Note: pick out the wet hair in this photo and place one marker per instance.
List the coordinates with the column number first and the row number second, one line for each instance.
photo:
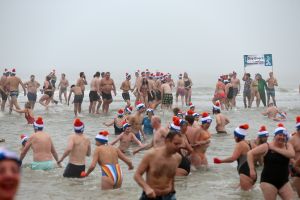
column 28, row 105
column 97, row 74
column 190, row 119
column 248, row 74
column 216, row 111
column 170, row 136
column 72, row 86
column 63, row 74
column 102, row 73
column 48, row 78
column 176, row 111
column 81, row 74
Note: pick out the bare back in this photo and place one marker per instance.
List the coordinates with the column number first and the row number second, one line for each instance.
column 41, row 145
column 80, row 149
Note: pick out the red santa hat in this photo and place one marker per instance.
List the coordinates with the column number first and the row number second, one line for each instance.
column 175, row 126
column 24, row 139
column 263, row 132
column 125, row 125
column 298, row 123
column 191, row 105
column 139, row 105
column 241, row 131
column 217, row 106
column 78, row 126
column 102, row 137
column 206, row 118
column 38, row 124
column 280, row 130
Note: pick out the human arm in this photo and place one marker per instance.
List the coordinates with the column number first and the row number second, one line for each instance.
column 136, row 140
column 19, row 111
column 138, row 176
column 67, row 151
column 88, row 153
column 54, row 153
column 235, row 155
column 117, row 139
column 227, row 121
column 26, row 148
column 109, row 124
column 125, row 159
column 297, row 166
column 145, row 147
column 23, row 86
column 254, row 153
column 94, row 162
column 288, row 152
column 70, row 93
column 114, row 88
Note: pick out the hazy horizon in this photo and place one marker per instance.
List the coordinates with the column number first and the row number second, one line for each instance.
column 204, row 38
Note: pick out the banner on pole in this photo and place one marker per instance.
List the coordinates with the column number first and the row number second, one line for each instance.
column 263, row 60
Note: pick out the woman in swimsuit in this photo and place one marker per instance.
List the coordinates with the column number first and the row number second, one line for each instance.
column 255, row 92
column 242, row 147
column 275, row 175
column 188, row 88
column 117, row 122
column 219, row 93
column 184, row 167
column 48, row 92
column 144, row 90
column 28, row 113
column 180, row 90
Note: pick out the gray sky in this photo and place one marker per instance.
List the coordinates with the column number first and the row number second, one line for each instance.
column 204, row 38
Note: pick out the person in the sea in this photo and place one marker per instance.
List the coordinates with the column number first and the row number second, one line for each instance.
column 79, row 146
column 239, row 154
column 117, row 122
column 10, row 174
column 126, row 138
column 108, row 157
column 28, row 112
column 147, row 126
column 78, row 98
column 160, row 166
column 42, row 146
column 272, row 82
column 221, row 120
column 295, row 163
column 32, row 87
column 262, row 85
column 247, row 90
column 275, row 174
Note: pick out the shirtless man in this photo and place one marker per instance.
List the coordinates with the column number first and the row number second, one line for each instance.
column 81, row 82
column 62, row 86
column 271, row 111
column 160, row 166
column 167, row 97
column 42, row 146
column 125, row 87
column 137, row 85
column 180, row 91
column 272, row 82
column 32, row 87
column 236, row 87
column 126, row 138
column 156, row 88
column 78, row 98
column 159, row 135
column 79, row 146
column 13, row 83
column 94, row 93
column 136, row 121
column 202, row 142
column 3, row 88
column 221, row 120
column 107, row 157
column 295, row 142
column 106, row 86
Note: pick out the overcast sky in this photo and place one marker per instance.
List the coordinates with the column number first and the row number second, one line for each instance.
column 204, row 38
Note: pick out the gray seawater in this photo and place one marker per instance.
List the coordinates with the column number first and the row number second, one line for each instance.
column 217, row 182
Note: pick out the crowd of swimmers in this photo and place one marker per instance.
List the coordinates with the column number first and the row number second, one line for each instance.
column 175, row 149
